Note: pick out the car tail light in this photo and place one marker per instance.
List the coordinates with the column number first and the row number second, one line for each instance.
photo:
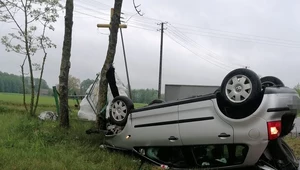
column 274, row 129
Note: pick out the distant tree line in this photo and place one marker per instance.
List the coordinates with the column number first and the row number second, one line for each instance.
column 11, row 83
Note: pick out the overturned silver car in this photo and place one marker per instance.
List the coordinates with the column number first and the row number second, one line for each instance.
column 241, row 124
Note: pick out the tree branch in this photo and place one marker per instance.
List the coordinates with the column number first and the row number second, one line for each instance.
column 13, row 18
column 35, row 18
column 16, row 6
column 137, row 10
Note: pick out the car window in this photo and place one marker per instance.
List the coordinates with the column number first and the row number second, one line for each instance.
column 207, row 156
column 180, row 157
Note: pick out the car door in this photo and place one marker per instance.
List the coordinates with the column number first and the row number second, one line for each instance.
column 199, row 124
column 156, row 126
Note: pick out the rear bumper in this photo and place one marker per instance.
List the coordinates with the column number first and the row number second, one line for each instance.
column 284, row 104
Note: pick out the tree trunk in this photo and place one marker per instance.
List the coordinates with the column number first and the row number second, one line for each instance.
column 42, row 70
column 65, row 66
column 40, row 82
column 113, row 37
column 29, row 61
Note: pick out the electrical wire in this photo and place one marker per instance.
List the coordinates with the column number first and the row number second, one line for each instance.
column 230, row 32
column 216, row 57
column 106, row 6
column 244, row 39
column 216, row 33
column 135, row 26
column 90, row 15
column 143, row 25
column 138, row 25
column 91, row 9
column 207, row 60
column 177, row 34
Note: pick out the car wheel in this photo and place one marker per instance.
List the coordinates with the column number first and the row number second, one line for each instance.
column 240, row 86
column 270, row 81
column 120, row 109
column 283, row 155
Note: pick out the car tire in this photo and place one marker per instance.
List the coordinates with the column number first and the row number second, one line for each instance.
column 120, row 108
column 240, row 86
column 283, row 155
column 270, row 81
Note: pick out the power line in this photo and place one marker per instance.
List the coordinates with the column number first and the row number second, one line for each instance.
column 237, row 38
column 90, row 15
column 134, row 26
column 221, row 34
column 130, row 24
column 187, row 45
column 91, row 9
column 230, row 32
column 190, row 41
column 98, row 2
column 220, row 66
column 142, row 23
column 125, row 11
column 139, row 27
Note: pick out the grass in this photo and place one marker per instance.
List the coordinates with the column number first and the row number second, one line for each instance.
column 29, row 143
column 294, row 143
column 33, row 144
column 18, row 98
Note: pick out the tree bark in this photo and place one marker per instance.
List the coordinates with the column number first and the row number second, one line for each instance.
column 113, row 37
column 65, row 66
column 29, row 60
column 42, row 70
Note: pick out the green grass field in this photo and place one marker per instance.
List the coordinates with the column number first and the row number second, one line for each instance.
column 18, row 98
column 29, row 143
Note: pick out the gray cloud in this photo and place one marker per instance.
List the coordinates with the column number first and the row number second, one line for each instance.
column 276, row 19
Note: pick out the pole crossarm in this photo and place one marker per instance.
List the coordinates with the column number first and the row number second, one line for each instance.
column 108, row 25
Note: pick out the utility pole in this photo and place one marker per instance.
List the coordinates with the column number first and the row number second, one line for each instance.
column 120, row 26
column 129, row 87
column 160, row 60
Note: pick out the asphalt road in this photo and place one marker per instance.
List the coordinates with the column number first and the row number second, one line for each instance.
column 296, row 129
column 297, row 122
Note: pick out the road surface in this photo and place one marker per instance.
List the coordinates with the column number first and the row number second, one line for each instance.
column 296, row 129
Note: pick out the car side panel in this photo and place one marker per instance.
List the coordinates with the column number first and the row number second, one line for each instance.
column 206, row 127
column 251, row 131
column 155, row 127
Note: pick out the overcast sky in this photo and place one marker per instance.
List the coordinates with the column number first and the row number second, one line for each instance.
column 203, row 41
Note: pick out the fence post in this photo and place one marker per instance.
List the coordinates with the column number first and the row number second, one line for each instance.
column 56, row 99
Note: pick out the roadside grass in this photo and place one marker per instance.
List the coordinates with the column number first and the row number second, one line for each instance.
column 30, row 143
column 44, row 101
column 294, row 143
column 18, row 98
column 139, row 105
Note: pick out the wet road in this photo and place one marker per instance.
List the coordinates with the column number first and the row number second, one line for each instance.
column 297, row 126
column 297, row 122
